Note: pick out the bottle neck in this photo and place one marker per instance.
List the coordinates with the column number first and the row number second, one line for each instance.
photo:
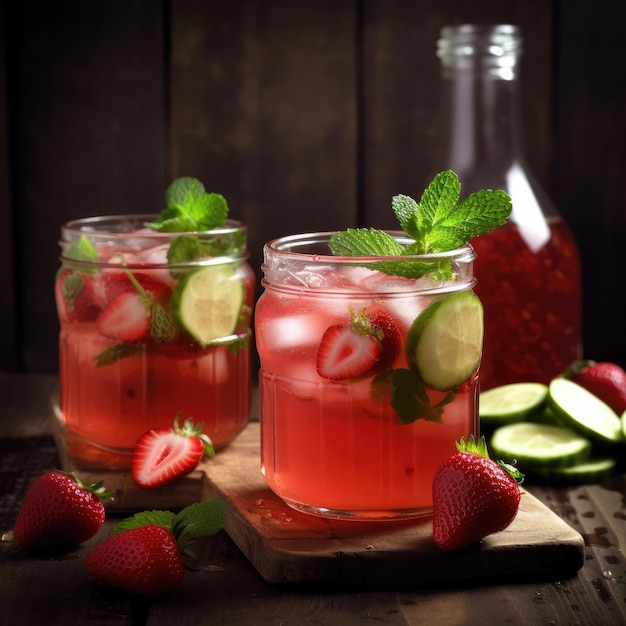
column 481, row 121
column 480, row 111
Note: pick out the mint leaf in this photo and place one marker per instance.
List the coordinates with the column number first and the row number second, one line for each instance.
column 407, row 211
column 209, row 211
column 183, row 192
column 203, row 518
column 438, row 202
column 413, row 269
column 410, row 400
column 116, row 352
column 184, row 249
column 478, row 214
column 364, row 242
column 200, row 519
column 189, row 208
column 438, row 223
column 82, row 250
column 162, row 326
column 72, row 286
column 173, row 220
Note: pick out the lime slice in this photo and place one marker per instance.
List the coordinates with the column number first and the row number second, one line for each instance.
column 623, row 420
column 444, row 344
column 591, row 471
column 585, row 412
column 539, row 445
column 512, row 403
column 207, row 303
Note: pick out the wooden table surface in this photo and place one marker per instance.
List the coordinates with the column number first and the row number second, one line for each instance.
column 55, row 589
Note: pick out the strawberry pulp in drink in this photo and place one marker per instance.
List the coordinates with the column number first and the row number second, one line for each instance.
column 532, row 304
column 127, row 361
column 333, row 441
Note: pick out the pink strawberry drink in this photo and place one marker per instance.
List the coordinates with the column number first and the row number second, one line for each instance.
column 143, row 338
column 352, row 425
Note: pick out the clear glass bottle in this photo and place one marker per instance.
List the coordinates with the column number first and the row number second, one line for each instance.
column 528, row 270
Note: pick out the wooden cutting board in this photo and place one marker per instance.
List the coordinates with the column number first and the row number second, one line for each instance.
column 288, row 547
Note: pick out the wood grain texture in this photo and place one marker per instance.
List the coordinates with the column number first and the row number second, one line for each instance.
column 263, row 110
column 87, row 131
column 8, row 321
column 589, row 162
column 55, row 589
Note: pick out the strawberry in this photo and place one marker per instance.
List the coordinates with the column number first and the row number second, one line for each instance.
column 389, row 336
column 605, row 380
column 149, row 551
column 164, row 454
column 59, row 510
column 473, row 496
column 145, row 560
column 349, row 350
column 126, row 318
column 76, row 291
column 114, row 282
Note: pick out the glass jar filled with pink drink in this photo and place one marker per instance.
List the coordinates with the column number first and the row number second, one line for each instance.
column 370, row 344
column 155, row 316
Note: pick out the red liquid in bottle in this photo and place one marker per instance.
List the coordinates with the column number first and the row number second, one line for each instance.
column 532, row 305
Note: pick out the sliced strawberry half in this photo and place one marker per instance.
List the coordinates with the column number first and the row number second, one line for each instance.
column 126, row 318
column 164, row 454
column 114, row 282
column 349, row 350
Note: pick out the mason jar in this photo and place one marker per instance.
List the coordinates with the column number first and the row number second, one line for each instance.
column 367, row 378
column 144, row 338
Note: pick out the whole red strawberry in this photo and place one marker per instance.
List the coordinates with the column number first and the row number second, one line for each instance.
column 150, row 550
column 473, row 496
column 144, row 560
column 605, row 380
column 59, row 510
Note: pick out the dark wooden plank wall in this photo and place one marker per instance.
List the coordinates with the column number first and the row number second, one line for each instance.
column 306, row 115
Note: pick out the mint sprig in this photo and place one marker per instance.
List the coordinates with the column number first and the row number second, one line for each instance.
column 438, row 223
column 200, row 519
column 190, row 208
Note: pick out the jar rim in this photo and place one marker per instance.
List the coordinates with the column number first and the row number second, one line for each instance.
column 89, row 225
column 285, row 247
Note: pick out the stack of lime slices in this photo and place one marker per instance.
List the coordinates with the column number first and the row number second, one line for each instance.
column 560, row 432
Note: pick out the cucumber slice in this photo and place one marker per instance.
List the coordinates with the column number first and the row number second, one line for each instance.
column 539, row 445
column 512, row 403
column 591, row 471
column 584, row 412
column 207, row 304
column 444, row 343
